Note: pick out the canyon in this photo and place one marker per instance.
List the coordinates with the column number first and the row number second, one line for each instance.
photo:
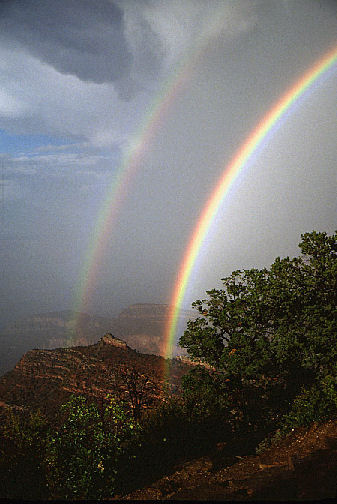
column 44, row 379
column 140, row 325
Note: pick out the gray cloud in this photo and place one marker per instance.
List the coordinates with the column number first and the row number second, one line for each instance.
column 42, row 39
column 78, row 37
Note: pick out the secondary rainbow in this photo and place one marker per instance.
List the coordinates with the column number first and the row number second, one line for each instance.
column 120, row 186
column 131, row 162
column 270, row 121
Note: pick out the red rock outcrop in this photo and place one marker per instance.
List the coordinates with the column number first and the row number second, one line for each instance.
column 44, row 379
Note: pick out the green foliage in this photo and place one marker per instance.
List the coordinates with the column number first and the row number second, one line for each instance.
column 314, row 404
column 206, row 403
column 22, row 449
column 84, row 452
column 271, row 439
column 162, row 441
column 83, row 456
column 271, row 336
column 307, row 407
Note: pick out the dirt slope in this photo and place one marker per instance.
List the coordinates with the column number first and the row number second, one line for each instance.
column 302, row 466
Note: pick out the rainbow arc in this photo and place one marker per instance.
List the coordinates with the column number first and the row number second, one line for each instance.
column 257, row 139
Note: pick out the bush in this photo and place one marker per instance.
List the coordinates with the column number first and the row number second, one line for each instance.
column 312, row 405
column 165, row 439
column 84, row 453
column 23, row 447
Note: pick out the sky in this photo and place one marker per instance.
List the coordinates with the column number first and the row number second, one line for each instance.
column 86, row 86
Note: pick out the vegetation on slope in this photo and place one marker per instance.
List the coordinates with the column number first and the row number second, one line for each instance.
column 269, row 339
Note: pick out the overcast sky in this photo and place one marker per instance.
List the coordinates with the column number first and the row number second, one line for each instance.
column 78, row 80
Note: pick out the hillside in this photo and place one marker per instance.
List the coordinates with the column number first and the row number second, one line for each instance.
column 44, row 379
column 140, row 325
column 303, row 466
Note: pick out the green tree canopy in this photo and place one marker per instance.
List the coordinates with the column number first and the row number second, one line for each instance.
column 272, row 332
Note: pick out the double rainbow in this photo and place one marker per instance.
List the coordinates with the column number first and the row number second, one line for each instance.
column 255, row 140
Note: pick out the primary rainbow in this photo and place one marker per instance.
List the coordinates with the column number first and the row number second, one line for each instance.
column 270, row 121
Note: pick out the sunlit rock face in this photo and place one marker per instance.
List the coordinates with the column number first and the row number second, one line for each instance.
column 44, row 379
column 109, row 339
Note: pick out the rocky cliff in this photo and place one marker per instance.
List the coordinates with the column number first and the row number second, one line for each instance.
column 45, row 378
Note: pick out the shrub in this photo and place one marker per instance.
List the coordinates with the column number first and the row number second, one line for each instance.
column 84, row 453
column 22, row 454
column 313, row 404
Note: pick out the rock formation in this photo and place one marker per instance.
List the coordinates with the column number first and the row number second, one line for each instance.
column 109, row 339
column 45, row 378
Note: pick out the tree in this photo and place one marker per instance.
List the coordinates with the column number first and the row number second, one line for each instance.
column 136, row 387
column 271, row 333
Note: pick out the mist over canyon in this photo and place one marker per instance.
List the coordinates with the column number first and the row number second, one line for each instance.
column 140, row 325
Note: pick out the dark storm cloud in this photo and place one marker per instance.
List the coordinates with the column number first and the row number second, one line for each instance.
column 79, row 37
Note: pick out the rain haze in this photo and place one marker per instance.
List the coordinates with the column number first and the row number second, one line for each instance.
column 85, row 84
